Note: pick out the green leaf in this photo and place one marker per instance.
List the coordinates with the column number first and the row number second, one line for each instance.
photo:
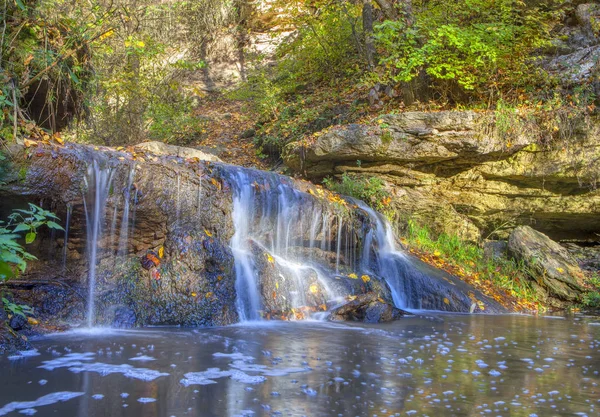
column 6, row 271
column 22, row 227
column 53, row 225
column 21, row 5
column 30, row 237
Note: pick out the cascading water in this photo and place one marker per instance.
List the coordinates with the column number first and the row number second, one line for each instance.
column 66, row 240
column 322, row 248
column 248, row 297
column 270, row 217
column 98, row 183
column 124, row 233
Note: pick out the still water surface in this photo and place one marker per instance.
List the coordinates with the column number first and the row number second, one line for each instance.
column 424, row 366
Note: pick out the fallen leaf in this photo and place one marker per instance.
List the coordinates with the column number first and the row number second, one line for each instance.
column 314, row 288
column 365, row 278
column 446, row 301
column 29, row 143
column 161, row 252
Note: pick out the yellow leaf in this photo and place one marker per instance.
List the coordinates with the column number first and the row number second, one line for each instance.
column 366, row 278
column 140, row 44
column 107, row 35
column 560, row 270
column 437, row 253
column 209, row 234
column 194, row 294
column 32, row 321
column 277, row 285
column 209, row 294
column 29, row 143
column 220, row 277
column 353, row 276
column 446, row 301
column 314, row 288
column 161, row 252
column 270, row 258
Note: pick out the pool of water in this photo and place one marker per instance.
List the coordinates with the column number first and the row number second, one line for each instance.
column 421, row 366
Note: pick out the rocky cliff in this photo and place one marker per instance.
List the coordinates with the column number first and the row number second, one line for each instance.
column 472, row 174
column 167, row 239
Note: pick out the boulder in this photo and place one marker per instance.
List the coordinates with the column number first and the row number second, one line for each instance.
column 160, row 148
column 17, row 322
column 551, row 265
column 367, row 308
column 494, row 250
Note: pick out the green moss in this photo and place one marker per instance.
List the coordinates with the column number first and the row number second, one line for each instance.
column 23, row 174
column 386, row 137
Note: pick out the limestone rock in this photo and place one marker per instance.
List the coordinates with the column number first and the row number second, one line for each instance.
column 459, row 173
column 161, row 148
column 367, row 308
column 551, row 265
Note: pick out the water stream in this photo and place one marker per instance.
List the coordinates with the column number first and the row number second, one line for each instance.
column 438, row 366
column 98, row 185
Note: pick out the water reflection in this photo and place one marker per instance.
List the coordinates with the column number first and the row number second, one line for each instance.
column 443, row 365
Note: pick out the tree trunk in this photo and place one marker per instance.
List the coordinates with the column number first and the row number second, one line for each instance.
column 388, row 9
column 367, row 15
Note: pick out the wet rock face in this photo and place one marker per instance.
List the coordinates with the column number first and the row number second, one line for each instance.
column 166, row 240
column 176, row 205
column 555, row 272
column 458, row 173
column 367, row 308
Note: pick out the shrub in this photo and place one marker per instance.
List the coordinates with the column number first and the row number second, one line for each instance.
column 480, row 46
column 371, row 190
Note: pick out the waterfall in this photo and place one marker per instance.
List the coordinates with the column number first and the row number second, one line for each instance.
column 66, row 241
column 124, row 233
column 389, row 262
column 98, row 183
column 273, row 219
column 321, row 250
column 248, row 298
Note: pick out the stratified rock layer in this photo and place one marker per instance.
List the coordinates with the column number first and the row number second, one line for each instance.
column 471, row 173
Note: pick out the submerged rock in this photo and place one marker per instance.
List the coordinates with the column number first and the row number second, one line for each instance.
column 554, row 270
column 367, row 308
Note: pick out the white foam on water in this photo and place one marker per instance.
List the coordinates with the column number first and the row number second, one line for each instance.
column 146, row 400
column 128, row 371
column 74, row 361
column 70, row 359
column 208, row 377
column 204, row 378
column 240, row 367
column 45, row 400
column 24, row 354
column 28, row 411
column 143, row 358
column 235, row 356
